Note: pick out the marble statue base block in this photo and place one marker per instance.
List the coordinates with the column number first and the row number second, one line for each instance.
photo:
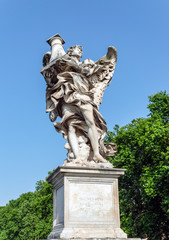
column 85, row 202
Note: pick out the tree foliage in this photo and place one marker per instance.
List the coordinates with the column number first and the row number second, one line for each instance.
column 28, row 217
column 143, row 150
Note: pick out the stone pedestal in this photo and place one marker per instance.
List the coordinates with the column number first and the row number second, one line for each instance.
column 86, row 203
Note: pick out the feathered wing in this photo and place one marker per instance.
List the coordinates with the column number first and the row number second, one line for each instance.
column 102, row 78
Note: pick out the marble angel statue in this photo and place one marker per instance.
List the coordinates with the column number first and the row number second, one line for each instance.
column 74, row 92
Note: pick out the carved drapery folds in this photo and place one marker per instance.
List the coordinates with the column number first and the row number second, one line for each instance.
column 74, row 92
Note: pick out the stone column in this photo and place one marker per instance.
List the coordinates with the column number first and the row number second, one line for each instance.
column 57, row 50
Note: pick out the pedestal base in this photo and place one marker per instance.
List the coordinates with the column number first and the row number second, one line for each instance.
column 86, row 204
column 87, row 233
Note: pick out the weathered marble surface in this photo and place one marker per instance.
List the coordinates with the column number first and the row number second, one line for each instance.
column 86, row 203
column 74, row 92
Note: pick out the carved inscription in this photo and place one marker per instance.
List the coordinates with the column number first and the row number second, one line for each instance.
column 91, row 202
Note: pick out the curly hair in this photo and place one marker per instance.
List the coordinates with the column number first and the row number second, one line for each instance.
column 70, row 50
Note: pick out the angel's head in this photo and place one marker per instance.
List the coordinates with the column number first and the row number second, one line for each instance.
column 75, row 51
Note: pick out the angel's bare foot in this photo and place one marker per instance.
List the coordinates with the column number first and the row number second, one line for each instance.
column 99, row 158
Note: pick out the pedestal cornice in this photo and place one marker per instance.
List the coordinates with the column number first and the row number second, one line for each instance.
column 83, row 171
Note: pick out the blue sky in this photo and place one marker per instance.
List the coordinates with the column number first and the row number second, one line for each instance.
column 29, row 145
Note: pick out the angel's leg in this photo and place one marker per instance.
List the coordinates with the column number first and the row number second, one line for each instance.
column 68, row 111
column 73, row 140
column 87, row 111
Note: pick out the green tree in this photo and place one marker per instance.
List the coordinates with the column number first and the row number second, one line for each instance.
column 28, row 217
column 143, row 150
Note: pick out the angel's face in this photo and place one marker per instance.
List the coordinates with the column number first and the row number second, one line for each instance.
column 75, row 51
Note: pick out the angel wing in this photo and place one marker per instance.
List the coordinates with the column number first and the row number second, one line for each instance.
column 102, row 78
column 46, row 59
